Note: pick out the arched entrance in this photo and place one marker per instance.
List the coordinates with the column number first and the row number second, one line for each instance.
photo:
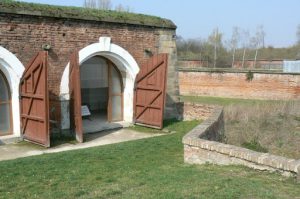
column 101, row 93
column 11, row 70
column 122, row 61
column 5, row 107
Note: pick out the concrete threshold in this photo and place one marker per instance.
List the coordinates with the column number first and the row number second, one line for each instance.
column 9, row 139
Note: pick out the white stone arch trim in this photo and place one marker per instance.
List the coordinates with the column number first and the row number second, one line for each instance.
column 13, row 70
column 121, row 58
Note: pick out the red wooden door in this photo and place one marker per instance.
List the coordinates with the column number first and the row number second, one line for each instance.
column 75, row 96
column 150, row 92
column 34, row 101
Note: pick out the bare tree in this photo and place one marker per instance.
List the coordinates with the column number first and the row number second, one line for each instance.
column 234, row 41
column 258, row 41
column 98, row 4
column 298, row 34
column 245, row 44
column 90, row 4
column 122, row 8
column 216, row 40
column 104, row 4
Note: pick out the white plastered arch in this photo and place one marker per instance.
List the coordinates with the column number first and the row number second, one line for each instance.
column 121, row 58
column 13, row 70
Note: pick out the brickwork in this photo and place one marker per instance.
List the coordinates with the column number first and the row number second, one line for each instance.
column 24, row 35
column 192, row 111
column 235, row 85
column 201, row 145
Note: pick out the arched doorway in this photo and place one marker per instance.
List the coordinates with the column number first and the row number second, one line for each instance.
column 11, row 71
column 5, row 107
column 123, row 62
column 101, row 93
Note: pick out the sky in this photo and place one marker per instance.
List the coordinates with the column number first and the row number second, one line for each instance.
column 197, row 18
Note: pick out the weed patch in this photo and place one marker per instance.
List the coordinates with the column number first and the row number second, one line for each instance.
column 255, row 146
column 262, row 125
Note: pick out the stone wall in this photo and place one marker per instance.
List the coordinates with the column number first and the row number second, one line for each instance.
column 166, row 44
column 235, row 84
column 201, row 146
column 192, row 111
column 24, row 33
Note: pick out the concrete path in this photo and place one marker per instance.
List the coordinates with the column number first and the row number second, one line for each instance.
column 18, row 150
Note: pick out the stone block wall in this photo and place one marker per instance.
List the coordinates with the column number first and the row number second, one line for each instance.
column 279, row 86
column 167, row 44
column 201, row 145
column 192, row 111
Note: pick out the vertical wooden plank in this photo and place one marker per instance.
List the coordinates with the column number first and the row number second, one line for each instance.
column 150, row 92
column 75, row 96
column 34, row 101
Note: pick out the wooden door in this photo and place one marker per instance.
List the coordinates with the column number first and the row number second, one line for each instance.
column 150, row 92
column 34, row 101
column 75, row 96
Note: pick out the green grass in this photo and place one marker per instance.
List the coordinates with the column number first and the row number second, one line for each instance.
column 166, row 129
column 148, row 168
column 255, row 146
column 26, row 144
column 221, row 100
column 83, row 13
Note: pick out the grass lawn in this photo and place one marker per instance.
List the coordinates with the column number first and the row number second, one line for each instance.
column 222, row 101
column 149, row 168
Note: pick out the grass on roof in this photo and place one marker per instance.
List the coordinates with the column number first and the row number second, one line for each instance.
column 83, row 13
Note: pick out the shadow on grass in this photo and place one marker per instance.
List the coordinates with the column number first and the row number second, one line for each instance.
column 29, row 145
column 167, row 127
column 170, row 125
column 60, row 139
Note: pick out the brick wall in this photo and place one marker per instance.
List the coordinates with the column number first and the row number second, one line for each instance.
column 24, row 36
column 235, row 84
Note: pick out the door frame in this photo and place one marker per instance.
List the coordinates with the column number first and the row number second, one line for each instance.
column 110, row 65
column 10, row 131
column 124, row 61
column 13, row 69
column 75, row 96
